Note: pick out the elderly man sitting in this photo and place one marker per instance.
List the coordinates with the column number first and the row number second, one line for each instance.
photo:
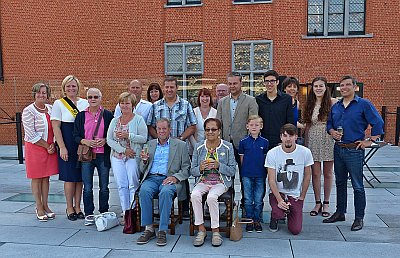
column 165, row 166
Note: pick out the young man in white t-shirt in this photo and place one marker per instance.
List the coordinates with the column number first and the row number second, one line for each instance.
column 289, row 173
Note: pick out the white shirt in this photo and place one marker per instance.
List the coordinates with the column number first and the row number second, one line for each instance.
column 289, row 168
column 142, row 108
column 199, row 134
column 61, row 113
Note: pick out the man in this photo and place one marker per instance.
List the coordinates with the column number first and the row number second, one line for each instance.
column 181, row 116
column 289, row 173
column 353, row 114
column 142, row 107
column 164, row 168
column 233, row 111
column 274, row 107
column 221, row 91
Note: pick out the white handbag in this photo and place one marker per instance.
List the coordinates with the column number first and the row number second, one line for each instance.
column 106, row 220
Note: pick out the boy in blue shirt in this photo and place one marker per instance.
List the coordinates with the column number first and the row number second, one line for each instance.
column 252, row 150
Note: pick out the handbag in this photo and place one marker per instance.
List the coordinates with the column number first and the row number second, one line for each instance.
column 130, row 220
column 85, row 153
column 236, row 229
column 106, row 220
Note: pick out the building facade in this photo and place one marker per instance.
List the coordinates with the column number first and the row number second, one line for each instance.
column 108, row 43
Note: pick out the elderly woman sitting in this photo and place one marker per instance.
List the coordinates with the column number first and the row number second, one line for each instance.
column 213, row 166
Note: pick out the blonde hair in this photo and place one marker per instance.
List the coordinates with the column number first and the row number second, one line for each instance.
column 254, row 117
column 68, row 79
column 127, row 95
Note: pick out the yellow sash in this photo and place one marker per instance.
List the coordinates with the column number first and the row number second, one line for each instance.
column 72, row 110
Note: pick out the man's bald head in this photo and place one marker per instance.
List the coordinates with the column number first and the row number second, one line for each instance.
column 221, row 90
column 135, row 87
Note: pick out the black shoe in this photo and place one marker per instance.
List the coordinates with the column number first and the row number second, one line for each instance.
column 250, row 227
column 335, row 217
column 162, row 238
column 273, row 225
column 80, row 215
column 257, row 227
column 71, row 216
column 357, row 225
column 185, row 215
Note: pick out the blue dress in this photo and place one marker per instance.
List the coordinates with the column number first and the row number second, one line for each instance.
column 69, row 171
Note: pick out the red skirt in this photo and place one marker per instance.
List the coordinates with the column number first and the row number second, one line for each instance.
column 39, row 163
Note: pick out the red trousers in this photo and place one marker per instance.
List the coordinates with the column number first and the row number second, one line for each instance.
column 294, row 218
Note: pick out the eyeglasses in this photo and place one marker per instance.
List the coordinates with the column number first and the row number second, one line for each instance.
column 92, row 97
column 211, row 130
column 270, row 82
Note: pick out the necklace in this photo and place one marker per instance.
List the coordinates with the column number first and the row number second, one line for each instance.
column 40, row 109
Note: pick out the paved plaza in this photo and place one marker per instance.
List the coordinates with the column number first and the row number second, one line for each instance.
column 22, row 235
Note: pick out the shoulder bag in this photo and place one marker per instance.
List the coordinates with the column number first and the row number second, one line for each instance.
column 85, row 153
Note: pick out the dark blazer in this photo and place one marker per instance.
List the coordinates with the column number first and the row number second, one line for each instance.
column 79, row 132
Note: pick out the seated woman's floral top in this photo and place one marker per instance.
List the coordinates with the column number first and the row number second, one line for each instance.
column 211, row 176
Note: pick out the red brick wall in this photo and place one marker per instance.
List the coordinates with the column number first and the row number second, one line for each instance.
column 108, row 43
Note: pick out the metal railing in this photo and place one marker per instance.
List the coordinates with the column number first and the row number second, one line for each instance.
column 17, row 120
column 384, row 113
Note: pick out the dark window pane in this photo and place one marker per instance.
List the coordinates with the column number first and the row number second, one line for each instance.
column 174, row 2
column 242, row 1
column 193, row 2
column 261, row 56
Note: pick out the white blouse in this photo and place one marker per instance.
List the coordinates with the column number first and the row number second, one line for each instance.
column 199, row 134
column 61, row 113
column 35, row 124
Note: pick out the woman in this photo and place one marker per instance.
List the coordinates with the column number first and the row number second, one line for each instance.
column 126, row 136
column 203, row 111
column 320, row 143
column 86, row 122
column 62, row 118
column 291, row 86
column 154, row 92
column 213, row 166
column 40, row 156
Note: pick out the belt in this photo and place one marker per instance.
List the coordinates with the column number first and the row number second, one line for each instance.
column 157, row 174
column 352, row 145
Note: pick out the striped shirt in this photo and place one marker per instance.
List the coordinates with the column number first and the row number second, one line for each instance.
column 35, row 124
column 180, row 115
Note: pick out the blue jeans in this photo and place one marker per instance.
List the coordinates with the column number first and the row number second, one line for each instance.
column 254, row 192
column 150, row 187
column 87, row 177
column 349, row 162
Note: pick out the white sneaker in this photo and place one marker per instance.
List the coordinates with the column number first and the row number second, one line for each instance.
column 89, row 220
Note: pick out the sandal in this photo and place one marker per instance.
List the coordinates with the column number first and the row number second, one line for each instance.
column 315, row 212
column 324, row 212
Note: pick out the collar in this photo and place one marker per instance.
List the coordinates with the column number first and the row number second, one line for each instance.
column 356, row 99
column 100, row 108
column 253, row 137
column 230, row 96
column 178, row 99
column 166, row 144
column 205, row 144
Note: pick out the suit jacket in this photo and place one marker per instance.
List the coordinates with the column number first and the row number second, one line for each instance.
column 178, row 163
column 234, row 131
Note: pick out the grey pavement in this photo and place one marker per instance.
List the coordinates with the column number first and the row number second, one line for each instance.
column 21, row 234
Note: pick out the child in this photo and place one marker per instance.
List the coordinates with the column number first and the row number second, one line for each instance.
column 252, row 150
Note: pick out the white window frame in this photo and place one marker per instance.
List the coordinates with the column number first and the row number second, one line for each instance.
column 185, row 74
column 253, row 2
column 183, row 4
column 251, row 72
column 346, row 22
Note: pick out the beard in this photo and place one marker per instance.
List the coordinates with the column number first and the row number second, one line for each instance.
column 288, row 145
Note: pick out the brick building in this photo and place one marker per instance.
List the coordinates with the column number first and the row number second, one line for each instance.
column 108, row 43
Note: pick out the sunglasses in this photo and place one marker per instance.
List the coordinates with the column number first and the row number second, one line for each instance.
column 92, row 97
column 211, row 130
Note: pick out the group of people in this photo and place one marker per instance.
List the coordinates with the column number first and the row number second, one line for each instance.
column 154, row 146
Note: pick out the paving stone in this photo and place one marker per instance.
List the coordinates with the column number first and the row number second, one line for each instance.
column 155, row 254
column 6, row 206
column 318, row 249
column 35, row 235
column 372, row 235
column 393, row 221
column 45, row 251
column 250, row 247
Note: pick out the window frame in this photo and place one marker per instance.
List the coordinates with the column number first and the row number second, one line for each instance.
column 183, row 4
column 184, row 74
column 252, row 73
column 346, row 22
column 253, row 2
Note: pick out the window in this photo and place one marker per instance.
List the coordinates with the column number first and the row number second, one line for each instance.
column 185, row 62
column 183, row 2
column 336, row 17
column 251, row 1
column 252, row 59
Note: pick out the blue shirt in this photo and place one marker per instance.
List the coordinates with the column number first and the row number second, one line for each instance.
column 253, row 151
column 355, row 119
column 233, row 105
column 160, row 164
